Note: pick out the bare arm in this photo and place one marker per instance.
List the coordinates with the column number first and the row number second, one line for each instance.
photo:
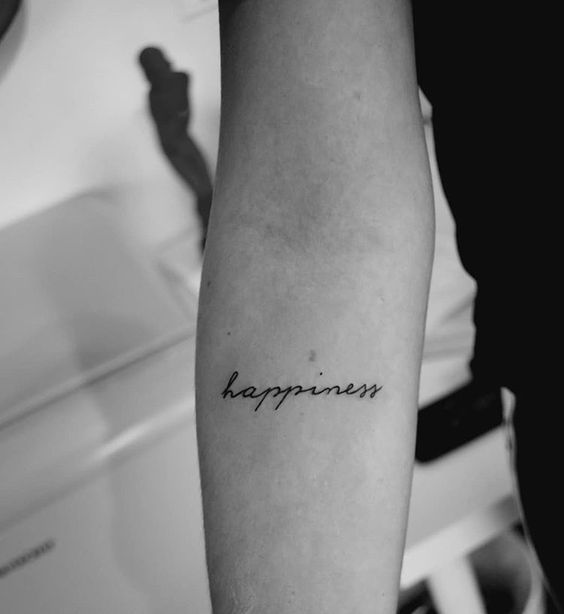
column 312, row 307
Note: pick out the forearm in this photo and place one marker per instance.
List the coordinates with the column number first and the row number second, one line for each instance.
column 315, row 276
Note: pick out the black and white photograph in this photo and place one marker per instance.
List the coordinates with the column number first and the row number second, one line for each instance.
column 279, row 307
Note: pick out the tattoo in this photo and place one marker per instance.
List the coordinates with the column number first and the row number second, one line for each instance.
column 252, row 393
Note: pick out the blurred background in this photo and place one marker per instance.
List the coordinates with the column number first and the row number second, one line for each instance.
column 100, row 256
column 74, row 107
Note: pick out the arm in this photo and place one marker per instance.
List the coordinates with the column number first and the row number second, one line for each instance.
column 315, row 277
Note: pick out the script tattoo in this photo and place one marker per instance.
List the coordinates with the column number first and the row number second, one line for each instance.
column 277, row 391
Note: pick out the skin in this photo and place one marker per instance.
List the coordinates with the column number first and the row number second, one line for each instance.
column 317, row 262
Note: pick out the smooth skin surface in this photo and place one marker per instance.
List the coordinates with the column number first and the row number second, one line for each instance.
column 316, row 273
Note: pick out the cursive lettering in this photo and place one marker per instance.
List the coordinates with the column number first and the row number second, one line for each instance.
column 251, row 392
